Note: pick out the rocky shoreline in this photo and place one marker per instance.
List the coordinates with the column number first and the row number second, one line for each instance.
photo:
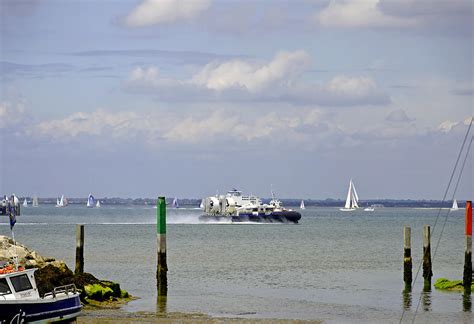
column 53, row 273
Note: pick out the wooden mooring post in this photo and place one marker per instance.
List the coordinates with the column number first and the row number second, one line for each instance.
column 427, row 270
column 161, row 267
column 407, row 261
column 467, row 275
column 79, row 249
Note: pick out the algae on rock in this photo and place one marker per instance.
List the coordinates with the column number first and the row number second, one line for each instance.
column 450, row 285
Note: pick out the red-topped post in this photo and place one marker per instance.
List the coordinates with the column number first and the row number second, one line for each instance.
column 467, row 277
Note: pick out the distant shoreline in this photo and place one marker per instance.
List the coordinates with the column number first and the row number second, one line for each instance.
column 289, row 202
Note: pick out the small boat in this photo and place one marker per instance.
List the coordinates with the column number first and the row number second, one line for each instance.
column 20, row 301
column 455, row 205
column 98, row 203
column 370, row 208
column 35, row 202
column 201, row 206
column 175, row 203
column 25, row 203
column 302, row 205
column 352, row 198
column 90, row 201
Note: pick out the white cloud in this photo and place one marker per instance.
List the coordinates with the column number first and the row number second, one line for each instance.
column 448, row 125
column 161, row 128
column 98, row 123
column 280, row 79
column 152, row 12
column 253, row 77
column 359, row 13
column 10, row 113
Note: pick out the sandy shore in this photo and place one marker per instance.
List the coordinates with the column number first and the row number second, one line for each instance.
column 93, row 316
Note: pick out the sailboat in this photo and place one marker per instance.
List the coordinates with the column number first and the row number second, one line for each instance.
column 98, row 203
column 35, row 201
column 61, row 202
column 201, row 206
column 175, row 203
column 455, row 205
column 90, row 201
column 25, row 203
column 302, row 205
column 352, row 198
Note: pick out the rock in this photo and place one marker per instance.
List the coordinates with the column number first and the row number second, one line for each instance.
column 52, row 276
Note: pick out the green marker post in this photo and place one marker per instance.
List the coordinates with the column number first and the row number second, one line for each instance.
column 161, row 267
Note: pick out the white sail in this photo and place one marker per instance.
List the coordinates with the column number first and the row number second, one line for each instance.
column 90, row 201
column 98, row 203
column 175, row 203
column 302, row 205
column 57, row 202
column 35, row 201
column 25, row 203
column 61, row 202
column 202, row 204
column 348, row 199
column 355, row 197
column 455, row 205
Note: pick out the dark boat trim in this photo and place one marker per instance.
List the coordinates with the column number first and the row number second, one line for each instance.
column 41, row 310
column 274, row 217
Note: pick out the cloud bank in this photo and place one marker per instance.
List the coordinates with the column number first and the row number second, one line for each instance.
column 280, row 79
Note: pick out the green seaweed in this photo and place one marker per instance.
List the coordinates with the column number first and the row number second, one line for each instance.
column 124, row 294
column 98, row 292
column 451, row 285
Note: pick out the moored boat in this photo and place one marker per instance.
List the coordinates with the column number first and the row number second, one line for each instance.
column 234, row 207
column 20, row 301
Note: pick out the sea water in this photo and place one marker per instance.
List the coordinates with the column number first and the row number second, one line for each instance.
column 333, row 266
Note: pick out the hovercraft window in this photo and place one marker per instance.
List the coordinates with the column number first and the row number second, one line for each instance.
column 4, row 288
column 21, row 283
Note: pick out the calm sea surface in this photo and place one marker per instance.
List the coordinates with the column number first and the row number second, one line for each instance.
column 334, row 266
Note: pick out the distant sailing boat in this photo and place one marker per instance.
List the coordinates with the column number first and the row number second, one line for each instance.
column 302, row 205
column 455, row 205
column 352, row 198
column 202, row 204
column 90, row 201
column 61, row 203
column 98, row 203
column 25, row 203
column 35, row 201
column 175, row 203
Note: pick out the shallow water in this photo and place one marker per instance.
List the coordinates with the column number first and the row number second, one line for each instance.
column 335, row 266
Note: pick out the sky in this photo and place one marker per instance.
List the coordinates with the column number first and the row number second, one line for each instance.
column 189, row 98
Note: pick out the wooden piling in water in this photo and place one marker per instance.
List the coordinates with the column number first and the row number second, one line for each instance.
column 407, row 261
column 427, row 270
column 467, row 275
column 161, row 266
column 79, row 249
